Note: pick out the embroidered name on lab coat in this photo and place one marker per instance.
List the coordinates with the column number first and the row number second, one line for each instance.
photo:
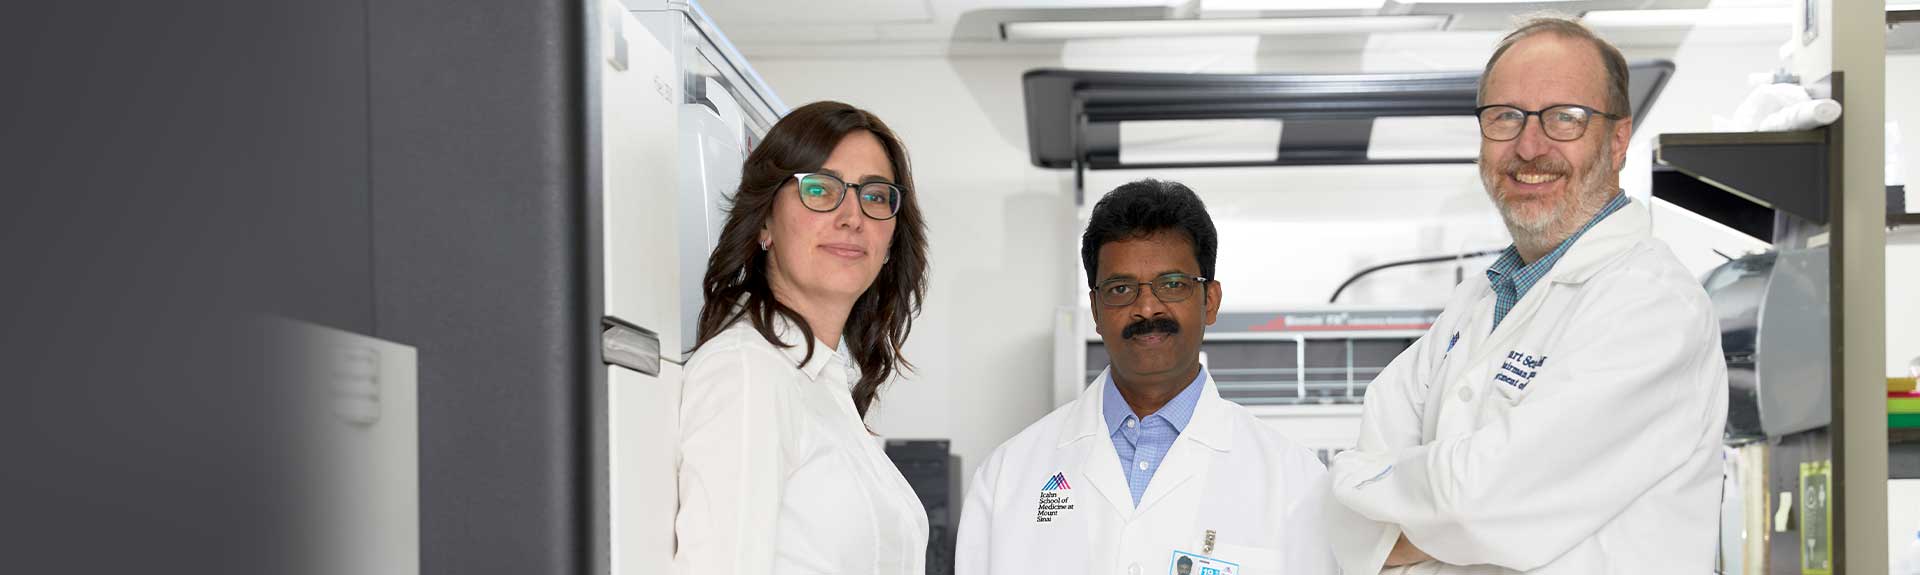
column 1518, row 369
column 1053, row 499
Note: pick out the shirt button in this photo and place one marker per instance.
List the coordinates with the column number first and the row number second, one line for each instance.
column 1142, row 464
column 1133, row 569
column 1131, row 423
column 1466, row 394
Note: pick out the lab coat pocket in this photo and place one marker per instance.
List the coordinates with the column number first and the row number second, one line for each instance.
column 1252, row 560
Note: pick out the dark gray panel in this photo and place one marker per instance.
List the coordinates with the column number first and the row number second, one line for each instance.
column 1702, row 198
column 1903, row 458
column 169, row 171
column 482, row 262
column 1326, row 139
column 323, row 203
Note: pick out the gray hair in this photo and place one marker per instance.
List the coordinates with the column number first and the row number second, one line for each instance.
column 1615, row 63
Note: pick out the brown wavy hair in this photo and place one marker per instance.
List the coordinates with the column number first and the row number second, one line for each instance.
column 736, row 287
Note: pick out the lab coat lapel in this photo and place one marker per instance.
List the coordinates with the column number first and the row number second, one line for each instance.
column 1100, row 464
column 1515, row 322
column 1607, row 240
column 1208, row 432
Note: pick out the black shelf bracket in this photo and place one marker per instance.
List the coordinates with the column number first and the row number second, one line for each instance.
column 1785, row 171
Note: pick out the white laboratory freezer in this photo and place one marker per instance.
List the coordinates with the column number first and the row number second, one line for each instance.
column 677, row 105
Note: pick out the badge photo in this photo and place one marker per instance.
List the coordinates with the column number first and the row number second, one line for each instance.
column 1185, row 563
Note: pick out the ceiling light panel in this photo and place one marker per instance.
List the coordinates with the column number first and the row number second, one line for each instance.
column 1189, row 141
column 1287, row 5
column 1424, row 137
column 1486, row 1
column 1088, row 29
column 1689, row 18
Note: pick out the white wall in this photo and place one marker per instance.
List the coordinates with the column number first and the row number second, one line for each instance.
column 1290, row 236
column 1903, row 521
column 1903, row 251
column 1903, row 282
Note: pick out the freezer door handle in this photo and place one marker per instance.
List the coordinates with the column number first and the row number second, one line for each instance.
column 629, row 346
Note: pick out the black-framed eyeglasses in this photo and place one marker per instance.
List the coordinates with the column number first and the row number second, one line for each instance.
column 1170, row 288
column 824, row 193
column 1562, row 123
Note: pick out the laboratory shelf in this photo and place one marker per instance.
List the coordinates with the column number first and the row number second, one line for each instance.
column 1784, row 171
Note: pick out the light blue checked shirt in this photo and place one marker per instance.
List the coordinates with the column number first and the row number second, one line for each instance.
column 1142, row 444
column 1512, row 278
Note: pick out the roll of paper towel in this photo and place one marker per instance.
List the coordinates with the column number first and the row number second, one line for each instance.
column 1802, row 116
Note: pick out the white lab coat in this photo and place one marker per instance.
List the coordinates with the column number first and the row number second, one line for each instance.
column 1581, row 436
column 1259, row 493
column 777, row 472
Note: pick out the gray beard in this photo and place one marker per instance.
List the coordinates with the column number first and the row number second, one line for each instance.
column 1541, row 234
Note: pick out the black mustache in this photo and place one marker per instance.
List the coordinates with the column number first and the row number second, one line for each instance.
column 1151, row 325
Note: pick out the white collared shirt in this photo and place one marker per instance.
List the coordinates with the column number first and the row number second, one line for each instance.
column 778, row 474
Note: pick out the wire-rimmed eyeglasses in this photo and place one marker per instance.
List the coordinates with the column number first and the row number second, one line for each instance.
column 1170, row 288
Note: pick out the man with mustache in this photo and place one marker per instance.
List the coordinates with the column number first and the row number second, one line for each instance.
column 1149, row 469
column 1564, row 415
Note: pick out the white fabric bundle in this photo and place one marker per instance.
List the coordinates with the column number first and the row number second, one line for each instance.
column 1763, row 101
column 1777, row 108
column 1802, row 116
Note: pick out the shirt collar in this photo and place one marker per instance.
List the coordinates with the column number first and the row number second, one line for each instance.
column 1524, row 274
column 796, row 349
column 1177, row 412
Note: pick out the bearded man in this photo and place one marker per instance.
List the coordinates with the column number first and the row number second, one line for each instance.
column 1564, row 415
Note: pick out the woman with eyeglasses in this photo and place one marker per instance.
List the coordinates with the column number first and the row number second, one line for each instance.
column 809, row 297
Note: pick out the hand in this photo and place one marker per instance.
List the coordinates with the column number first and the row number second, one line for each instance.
column 1404, row 553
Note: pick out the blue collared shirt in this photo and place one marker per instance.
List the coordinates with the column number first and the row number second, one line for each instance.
column 1512, row 277
column 1142, row 444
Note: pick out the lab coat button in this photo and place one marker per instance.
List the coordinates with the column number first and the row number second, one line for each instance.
column 1133, row 569
column 1466, row 394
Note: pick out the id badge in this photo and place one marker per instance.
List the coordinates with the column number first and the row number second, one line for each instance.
column 1185, row 563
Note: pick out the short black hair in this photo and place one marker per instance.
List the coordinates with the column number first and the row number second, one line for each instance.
column 1186, row 561
column 1143, row 208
